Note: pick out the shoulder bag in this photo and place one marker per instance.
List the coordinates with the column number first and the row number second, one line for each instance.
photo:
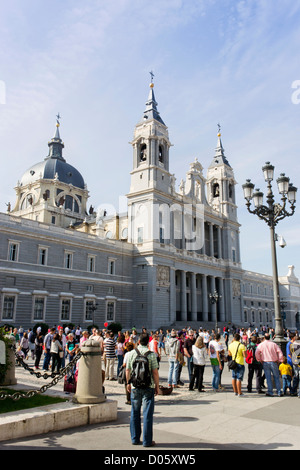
column 232, row 364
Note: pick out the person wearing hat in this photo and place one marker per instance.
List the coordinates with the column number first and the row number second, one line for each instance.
column 173, row 350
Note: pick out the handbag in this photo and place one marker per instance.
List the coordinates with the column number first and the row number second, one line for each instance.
column 122, row 376
column 232, row 364
column 180, row 358
column 70, row 384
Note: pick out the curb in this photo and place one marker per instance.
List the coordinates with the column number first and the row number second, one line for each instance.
column 55, row 418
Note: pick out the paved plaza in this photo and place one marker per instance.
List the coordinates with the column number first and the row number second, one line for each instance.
column 184, row 421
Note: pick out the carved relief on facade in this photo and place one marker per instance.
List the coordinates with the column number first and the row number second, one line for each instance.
column 163, row 276
column 236, row 288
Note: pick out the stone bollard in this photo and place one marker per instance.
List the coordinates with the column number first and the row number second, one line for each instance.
column 10, row 376
column 89, row 384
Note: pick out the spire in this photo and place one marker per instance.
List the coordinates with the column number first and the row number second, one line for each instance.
column 151, row 111
column 56, row 144
column 219, row 157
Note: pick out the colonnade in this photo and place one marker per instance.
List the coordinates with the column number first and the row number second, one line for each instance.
column 192, row 297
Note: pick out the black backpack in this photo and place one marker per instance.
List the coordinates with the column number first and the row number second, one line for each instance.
column 140, row 373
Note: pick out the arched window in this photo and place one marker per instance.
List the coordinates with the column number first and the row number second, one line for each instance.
column 216, row 190
column 143, row 153
column 28, row 201
column 68, row 202
column 161, row 154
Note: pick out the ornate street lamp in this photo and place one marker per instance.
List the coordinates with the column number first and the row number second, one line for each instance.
column 93, row 309
column 283, row 305
column 214, row 298
column 272, row 213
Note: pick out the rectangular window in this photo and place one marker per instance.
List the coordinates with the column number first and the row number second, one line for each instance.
column 89, row 310
column 13, row 251
column 43, row 256
column 161, row 235
column 68, row 260
column 8, row 311
column 111, row 266
column 65, row 313
column 140, row 235
column 38, row 308
column 110, row 311
column 91, row 263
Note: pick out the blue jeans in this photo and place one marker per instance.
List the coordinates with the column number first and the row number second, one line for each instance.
column 173, row 372
column 47, row 359
column 141, row 397
column 238, row 373
column 286, row 383
column 295, row 381
column 216, row 377
column 190, row 366
column 271, row 368
column 120, row 362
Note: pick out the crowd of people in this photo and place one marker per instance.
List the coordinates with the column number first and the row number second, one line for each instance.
column 188, row 347
column 249, row 348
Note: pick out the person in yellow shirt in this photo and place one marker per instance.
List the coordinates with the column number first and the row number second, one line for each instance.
column 286, row 372
column 237, row 351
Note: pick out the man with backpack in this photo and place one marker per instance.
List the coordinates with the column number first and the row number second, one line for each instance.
column 143, row 383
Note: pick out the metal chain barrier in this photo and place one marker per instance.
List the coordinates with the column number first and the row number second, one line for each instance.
column 56, row 378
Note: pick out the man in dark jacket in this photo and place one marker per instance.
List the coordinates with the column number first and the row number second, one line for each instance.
column 254, row 367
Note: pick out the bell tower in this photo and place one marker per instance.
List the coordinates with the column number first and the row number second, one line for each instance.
column 150, row 150
column 221, row 183
column 152, row 185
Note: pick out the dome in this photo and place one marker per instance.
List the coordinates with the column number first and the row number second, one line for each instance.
column 53, row 168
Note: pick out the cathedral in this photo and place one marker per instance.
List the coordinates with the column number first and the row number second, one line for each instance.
column 173, row 259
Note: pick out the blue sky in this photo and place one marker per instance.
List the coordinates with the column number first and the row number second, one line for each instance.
column 226, row 61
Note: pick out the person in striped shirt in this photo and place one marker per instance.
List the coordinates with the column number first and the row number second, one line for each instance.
column 110, row 355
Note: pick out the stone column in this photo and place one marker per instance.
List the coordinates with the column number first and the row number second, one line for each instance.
column 213, row 306
column 211, row 240
column 194, row 296
column 204, row 298
column 221, row 305
column 172, row 296
column 183, row 305
column 219, row 242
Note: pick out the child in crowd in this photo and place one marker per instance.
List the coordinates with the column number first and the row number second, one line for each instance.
column 286, row 372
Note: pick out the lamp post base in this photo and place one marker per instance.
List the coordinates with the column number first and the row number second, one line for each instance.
column 281, row 342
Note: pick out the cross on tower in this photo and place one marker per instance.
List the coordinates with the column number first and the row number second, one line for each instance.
column 152, row 76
